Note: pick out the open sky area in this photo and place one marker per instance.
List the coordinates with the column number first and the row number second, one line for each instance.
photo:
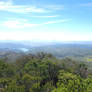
column 49, row 20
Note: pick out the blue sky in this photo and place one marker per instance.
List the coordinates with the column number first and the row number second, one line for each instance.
column 50, row 20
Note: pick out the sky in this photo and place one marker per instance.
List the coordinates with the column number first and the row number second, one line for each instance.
column 47, row 20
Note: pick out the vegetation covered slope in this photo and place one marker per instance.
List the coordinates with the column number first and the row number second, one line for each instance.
column 44, row 73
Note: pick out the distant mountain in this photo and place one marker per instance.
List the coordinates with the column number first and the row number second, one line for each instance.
column 59, row 49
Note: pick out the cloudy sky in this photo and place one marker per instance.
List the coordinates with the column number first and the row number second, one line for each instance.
column 51, row 20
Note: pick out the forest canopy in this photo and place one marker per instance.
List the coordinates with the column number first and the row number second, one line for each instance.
column 43, row 72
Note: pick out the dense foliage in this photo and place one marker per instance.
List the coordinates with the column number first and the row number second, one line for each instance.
column 44, row 73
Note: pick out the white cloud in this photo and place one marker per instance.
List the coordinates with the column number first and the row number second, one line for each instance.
column 55, row 7
column 18, row 24
column 58, row 21
column 53, row 16
column 26, row 24
column 12, row 24
column 9, row 6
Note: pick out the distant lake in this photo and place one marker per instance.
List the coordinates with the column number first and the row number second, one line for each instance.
column 24, row 49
